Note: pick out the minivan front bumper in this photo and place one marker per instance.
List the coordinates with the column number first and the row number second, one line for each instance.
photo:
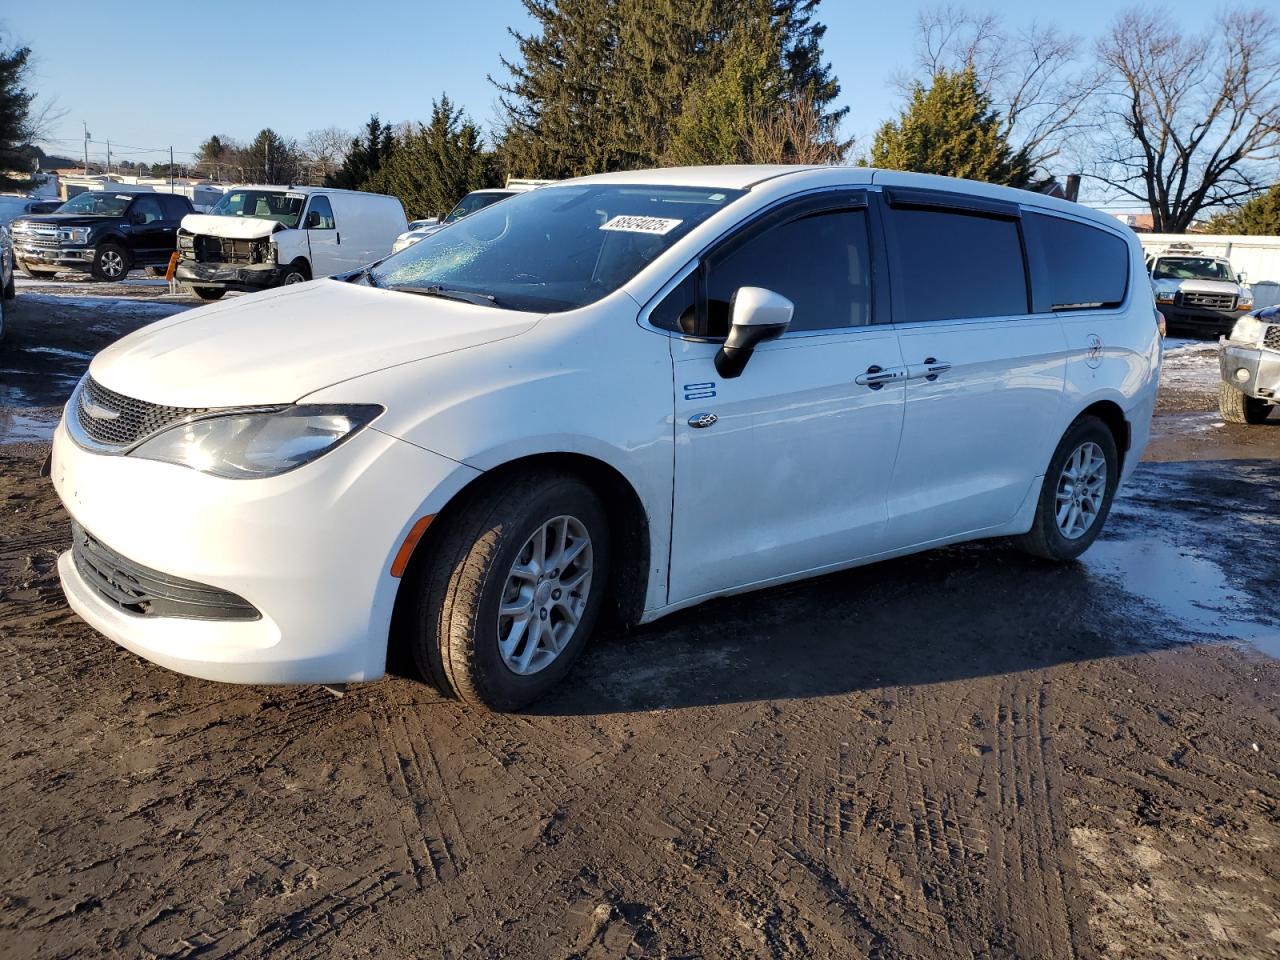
column 309, row 552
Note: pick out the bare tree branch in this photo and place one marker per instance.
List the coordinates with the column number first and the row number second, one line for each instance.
column 1189, row 122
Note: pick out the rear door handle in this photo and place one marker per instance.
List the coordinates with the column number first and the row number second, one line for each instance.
column 929, row 370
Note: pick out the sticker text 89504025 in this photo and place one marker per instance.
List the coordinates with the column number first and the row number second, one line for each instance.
column 633, row 224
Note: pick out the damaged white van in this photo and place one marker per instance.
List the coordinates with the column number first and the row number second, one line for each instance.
column 260, row 237
column 640, row 390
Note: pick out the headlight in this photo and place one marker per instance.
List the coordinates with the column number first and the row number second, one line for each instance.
column 260, row 443
column 186, row 241
column 1164, row 296
column 73, row 235
column 1249, row 330
column 1244, row 301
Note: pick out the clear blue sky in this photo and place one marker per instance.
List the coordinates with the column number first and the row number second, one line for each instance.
column 175, row 75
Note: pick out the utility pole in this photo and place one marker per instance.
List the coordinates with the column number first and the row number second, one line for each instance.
column 86, row 147
column 108, row 157
column 171, row 168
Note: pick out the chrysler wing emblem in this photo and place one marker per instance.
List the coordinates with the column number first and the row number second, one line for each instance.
column 1094, row 355
column 97, row 410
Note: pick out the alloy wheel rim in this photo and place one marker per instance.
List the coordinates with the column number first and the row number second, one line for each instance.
column 112, row 264
column 1082, row 486
column 545, row 595
column 294, row 278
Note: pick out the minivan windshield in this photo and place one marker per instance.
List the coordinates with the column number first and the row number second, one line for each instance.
column 1191, row 268
column 275, row 205
column 554, row 248
column 95, row 203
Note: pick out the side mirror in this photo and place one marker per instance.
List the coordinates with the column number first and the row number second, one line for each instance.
column 138, row 218
column 313, row 221
column 756, row 315
column 1242, row 277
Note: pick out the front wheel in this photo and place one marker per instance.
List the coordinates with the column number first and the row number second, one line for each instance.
column 510, row 591
column 296, row 272
column 1238, row 407
column 111, row 262
column 209, row 293
column 1076, row 497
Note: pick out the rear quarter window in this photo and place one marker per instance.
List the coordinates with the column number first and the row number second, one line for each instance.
column 1081, row 267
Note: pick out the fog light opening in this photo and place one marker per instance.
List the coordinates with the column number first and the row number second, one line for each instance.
column 1242, row 375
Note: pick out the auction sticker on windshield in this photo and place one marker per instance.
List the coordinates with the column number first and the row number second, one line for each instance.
column 654, row 225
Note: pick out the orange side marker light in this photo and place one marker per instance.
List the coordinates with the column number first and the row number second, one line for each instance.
column 401, row 562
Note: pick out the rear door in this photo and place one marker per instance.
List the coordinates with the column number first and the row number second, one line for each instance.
column 985, row 374
column 784, row 469
column 324, row 237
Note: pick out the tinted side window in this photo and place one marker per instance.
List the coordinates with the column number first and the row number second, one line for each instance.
column 820, row 262
column 955, row 265
column 320, row 214
column 1085, row 267
column 175, row 207
column 147, row 208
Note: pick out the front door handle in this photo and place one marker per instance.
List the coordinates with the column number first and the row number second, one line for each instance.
column 929, row 370
column 876, row 376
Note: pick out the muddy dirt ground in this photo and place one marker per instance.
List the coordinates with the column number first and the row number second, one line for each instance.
column 960, row 754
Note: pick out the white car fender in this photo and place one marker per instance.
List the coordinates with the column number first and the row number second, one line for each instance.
column 584, row 389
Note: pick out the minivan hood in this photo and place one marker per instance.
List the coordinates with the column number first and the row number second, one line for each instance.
column 232, row 228
column 279, row 345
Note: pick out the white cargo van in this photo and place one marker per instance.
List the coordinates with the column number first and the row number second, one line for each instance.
column 257, row 237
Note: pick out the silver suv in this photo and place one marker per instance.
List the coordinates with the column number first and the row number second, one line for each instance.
column 1250, row 363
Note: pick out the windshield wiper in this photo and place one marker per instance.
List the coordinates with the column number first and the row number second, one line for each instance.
column 365, row 274
column 436, row 290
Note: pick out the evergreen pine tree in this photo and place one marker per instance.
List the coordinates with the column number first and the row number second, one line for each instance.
column 1259, row 216
column 950, row 128
column 434, row 165
column 15, row 115
column 363, row 163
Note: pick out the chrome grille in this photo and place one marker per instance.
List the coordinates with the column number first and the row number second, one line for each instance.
column 114, row 420
column 1210, row 301
column 144, row 592
column 1272, row 337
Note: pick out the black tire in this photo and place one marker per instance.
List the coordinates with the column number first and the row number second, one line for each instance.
column 111, row 262
column 296, row 272
column 3, row 311
column 452, row 630
column 208, row 293
column 1045, row 539
column 1237, row 407
column 11, row 288
column 38, row 274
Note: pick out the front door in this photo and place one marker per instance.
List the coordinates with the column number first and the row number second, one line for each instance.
column 324, row 238
column 784, row 469
column 985, row 374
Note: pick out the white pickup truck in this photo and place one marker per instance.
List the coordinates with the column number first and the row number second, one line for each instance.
column 257, row 237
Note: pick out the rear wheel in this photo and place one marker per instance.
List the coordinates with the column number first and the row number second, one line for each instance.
column 111, row 262
column 1239, row 407
column 1078, row 489
column 511, row 589
column 10, row 288
column 209, row 293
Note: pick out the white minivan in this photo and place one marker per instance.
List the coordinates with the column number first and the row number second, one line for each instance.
column 639, row 389
column 259, row 237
